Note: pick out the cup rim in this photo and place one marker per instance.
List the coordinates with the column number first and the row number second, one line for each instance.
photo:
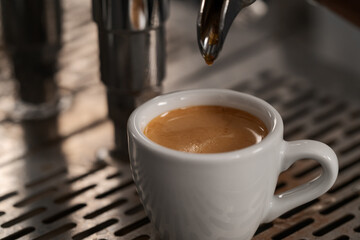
column 135, row 130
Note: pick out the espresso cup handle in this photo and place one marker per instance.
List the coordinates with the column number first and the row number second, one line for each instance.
column 304, row 149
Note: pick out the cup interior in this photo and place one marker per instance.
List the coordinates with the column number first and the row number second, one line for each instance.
column 219, row 97
column 223, row 97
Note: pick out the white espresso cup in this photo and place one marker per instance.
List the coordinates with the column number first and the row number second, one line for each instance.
column 220, row 196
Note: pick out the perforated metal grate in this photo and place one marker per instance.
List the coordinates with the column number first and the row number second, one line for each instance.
column 52, row 187
column 309, row 114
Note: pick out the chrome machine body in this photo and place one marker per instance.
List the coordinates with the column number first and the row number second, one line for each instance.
column 132, row 55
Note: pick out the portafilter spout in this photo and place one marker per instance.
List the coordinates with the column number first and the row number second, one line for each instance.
column 213, row 23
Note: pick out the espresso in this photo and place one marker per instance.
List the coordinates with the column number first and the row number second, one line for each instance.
column 206, row 129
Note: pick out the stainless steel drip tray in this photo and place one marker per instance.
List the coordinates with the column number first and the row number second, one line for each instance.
column 60, row 191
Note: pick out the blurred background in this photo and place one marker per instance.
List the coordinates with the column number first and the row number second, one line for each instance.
column 58, row 120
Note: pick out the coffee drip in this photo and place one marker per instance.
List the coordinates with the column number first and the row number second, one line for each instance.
column 214, row 21
column 216, row 16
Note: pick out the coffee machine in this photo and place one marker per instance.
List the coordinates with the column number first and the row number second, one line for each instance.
column 31, row 31
column 131, row 37
column 132, row 57
column 296, row 55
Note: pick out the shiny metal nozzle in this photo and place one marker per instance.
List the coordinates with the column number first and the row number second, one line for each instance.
column 213, row 23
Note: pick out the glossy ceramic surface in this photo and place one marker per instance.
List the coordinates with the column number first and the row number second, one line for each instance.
column 225, row 195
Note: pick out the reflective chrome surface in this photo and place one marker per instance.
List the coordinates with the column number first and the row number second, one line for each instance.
column 214, row 21
column 132, row 55
column 32, row 36
column 132, row 15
